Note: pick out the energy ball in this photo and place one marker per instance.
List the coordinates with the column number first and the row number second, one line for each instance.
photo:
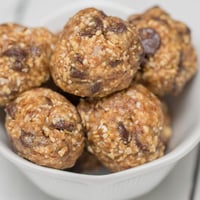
column 95, row 55
column 24, row 59
column 170, row 60
column 45, row 128
column 124, row 129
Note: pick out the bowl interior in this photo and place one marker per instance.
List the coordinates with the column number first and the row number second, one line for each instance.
column 184, row 108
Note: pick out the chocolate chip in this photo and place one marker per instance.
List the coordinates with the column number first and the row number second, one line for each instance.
column 26, row 138
column 75, row 73
column 11, row 110
column 62, row 125
column 78, row 58
column 117, row 28
column 150, row 40
column 19, row 55
column 91, row 30
column 125, row 135
column 17, row 52
column 19, row 66
column 49, row 101
column 95, row 87
column 114, row 63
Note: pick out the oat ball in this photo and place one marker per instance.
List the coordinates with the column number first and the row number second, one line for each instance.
column 45, row 128
column 95, row 55
column 24, row 59
column 124, row 129
column 170, row 60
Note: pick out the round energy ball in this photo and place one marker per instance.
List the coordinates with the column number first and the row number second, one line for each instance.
column 124, row 129
column 24, row 59
column 95, row 55
column 45, row 128
column 170, row 60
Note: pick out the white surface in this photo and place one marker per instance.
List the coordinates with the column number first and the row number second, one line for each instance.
column 181, row 176
column 15, row 186
column 8, row 10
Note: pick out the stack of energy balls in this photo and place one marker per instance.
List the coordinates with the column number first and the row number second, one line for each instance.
column 118, row 70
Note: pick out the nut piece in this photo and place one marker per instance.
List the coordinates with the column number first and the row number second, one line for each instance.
column 170, row 60
column 45, row 128
column 95, row 55
column 124, row 130
column 24, row 59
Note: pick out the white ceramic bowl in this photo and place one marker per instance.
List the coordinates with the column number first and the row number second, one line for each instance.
column 129, row 183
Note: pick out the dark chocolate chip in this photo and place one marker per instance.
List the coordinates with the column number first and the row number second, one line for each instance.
column 62, row 125
column 78, row 58
column 98, row 23
column 95, row 87
column 17, row 52
column 49, row 101
column 11, row 110
column 26, row 138
column 75, row 73
column 114, row 63
column 125, row 135
column 19, row 66
column 150, row 40
column 90, row 31
column 117, row 28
